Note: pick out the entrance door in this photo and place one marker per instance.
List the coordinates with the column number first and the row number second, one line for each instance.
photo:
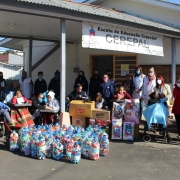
column 101, row 63
column 124, row 64
column 118, row 64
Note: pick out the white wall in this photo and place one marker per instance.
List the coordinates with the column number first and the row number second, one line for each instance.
column 15, row 59
column 10, row 72
column 53, row 62
column 144, row 10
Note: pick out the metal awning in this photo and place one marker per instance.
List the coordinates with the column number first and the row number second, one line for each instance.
column 40, row 19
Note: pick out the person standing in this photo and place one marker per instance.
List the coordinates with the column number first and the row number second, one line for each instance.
column 26, row 85
column 40, row 85
column 55, row 85
column 94, row 84
column 163, row 89
column 176, row 105
column 111, row 78
column 107, row 90
column 3, row 86
column 137, row 82
column 81, row 79
column 148, row 85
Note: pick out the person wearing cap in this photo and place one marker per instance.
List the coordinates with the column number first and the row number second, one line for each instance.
column 55, row 85
column 52, row 104
column 40, row 85
column 26, row 85
column 148, row 85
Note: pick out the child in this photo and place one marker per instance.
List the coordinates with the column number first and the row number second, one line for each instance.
column 100, row 102
column 77, row 94
column 20, row 115
column 121, row 94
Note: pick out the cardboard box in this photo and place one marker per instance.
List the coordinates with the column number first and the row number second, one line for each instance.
column 79, row 121
column 100, row 114
column 116, row 129
column 64, row 119
column 81, row 108
column 128, row 131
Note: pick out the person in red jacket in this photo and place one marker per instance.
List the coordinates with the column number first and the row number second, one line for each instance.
column 122, row 94
column 19, row 98
column 20, row 115
column 176, row 105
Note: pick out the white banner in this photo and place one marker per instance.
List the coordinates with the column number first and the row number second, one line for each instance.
column 121, row 39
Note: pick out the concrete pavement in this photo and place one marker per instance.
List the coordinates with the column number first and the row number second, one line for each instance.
column 126, row 161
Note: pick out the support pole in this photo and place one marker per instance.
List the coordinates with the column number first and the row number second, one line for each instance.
column 173, row 66
column 62, row 64
column 30, row 57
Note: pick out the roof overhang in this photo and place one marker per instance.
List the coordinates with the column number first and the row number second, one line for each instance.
column 23, row 20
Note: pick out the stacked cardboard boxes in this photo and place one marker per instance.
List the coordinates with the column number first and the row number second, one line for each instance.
column 80, row 111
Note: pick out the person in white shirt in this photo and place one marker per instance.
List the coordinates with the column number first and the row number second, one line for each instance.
column 26, row 85
column 137, row 82
column 148, row 85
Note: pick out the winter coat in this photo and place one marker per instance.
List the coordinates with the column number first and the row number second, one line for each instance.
column 94, row 86
column 176, row 105
column 4, row 106
column 14, row 100
column 107, row 90
column 40, row 86
column 75, row 95
column 55, row 86
column 36, row 105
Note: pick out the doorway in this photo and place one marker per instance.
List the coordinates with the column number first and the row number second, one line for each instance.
column 120, row 65
column 101, row 63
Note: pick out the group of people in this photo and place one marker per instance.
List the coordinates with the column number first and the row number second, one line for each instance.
column 21, row 93
column 102, row 90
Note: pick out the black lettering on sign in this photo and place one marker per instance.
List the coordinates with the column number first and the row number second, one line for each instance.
column 146, row 44
column 135, row 41
column 122, row 38
column 129, row 41
column 140, row 43
column 116, row 39
column 109, row 38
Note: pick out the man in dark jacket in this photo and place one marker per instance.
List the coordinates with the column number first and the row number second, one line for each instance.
column 40, row 85
column 3, row 85
column 77, row 94
column 55, row 85
column 107, row 90
column 94, row 84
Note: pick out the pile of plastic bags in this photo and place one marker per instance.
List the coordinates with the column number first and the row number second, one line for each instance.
column 61, row 142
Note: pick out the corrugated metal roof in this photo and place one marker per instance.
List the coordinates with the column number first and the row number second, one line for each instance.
column 100, row 11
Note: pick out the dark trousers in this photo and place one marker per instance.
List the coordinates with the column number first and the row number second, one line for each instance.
column 5, row 113
column 177, row 117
